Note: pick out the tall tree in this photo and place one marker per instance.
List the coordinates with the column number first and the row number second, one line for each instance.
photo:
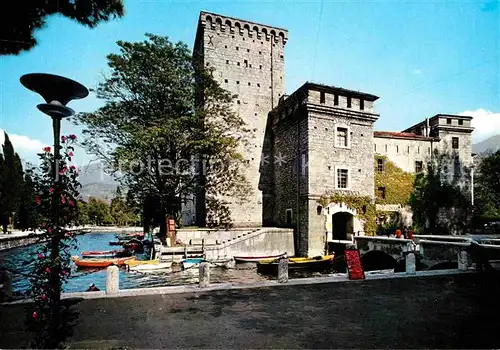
column 28, row 217
column 440, row 204
column 21, row 19
column 12, row 183
column 487, row 186
column 163, row 116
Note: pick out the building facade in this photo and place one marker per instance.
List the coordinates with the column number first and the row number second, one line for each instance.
column 319, row 141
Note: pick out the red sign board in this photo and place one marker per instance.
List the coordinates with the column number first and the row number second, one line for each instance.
column 354, row 266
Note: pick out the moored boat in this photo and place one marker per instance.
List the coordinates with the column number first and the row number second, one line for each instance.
column 254, row 259
column 189, row 263
column 105, row 253
column 100, row 263
column 148, row 265
column 317, row 263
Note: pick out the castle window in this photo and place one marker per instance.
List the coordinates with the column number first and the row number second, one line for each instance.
column 386, row 148
column 248, row 50
column 250, row 65
column 237, row 48
column 381, row 193
column 225, row 46
column 289, row 216
column 456, row 166
column 342, row 137
column 454, row 142
column 260, row 52
column 260, row 66
column 336, row 100
column 448, row 121
column 227, row 61
column 397, row 149
column 343, row 178
column 460, row 122
column 380, row 165
column 322, row 97
column 237, row 82
column 258, row 85
column 208, row 63
column 349, row 102
column 418, row 150
column 238, row 101
column 225, row 80
column 238, row 63
column 246, row 63
column 362, row 104
column 319, row 209
column 375, row 148
column 249, row 84
column 408, row 150
column 428, row 150
column 281, row 56
column 419, row 166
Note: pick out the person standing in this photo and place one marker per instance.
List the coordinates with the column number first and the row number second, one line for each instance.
column 410, row 233
column 398, row 233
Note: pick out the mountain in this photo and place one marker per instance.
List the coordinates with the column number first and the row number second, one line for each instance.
column 97, row 183
column 490, row 144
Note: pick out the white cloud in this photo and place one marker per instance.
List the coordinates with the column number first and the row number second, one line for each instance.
column 26, row 147
column 485, row 123
column 417, row 72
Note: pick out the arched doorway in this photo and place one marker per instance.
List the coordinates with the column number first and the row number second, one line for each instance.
column 342, row 225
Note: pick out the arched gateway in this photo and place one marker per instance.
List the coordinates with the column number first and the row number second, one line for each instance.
column 341, row 222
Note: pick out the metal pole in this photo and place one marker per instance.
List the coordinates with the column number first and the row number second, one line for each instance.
column 55, row 240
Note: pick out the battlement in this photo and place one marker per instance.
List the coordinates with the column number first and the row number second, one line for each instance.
column 250, row 29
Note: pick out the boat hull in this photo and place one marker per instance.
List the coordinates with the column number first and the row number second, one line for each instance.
column 99, row 263
column 191, row 263
column 255, row 259
column 151, row 267
column 313, row 264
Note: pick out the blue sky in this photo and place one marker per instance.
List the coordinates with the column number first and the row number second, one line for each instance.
column 421, row 58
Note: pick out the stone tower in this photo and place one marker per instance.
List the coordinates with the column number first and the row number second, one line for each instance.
column 248, row 59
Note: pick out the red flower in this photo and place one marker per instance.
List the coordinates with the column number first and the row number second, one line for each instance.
column 63, row 200
column 38, row 200
column 44, row 296
column 70, row 154
column 47, row 269
column 63, row 139
column 35, row 314
column 70, row 203
column 46, row 149
column 72, row 167
column 40, row 256
column 72, row 137
column 51, row 190
column 63, row 171
column 49, row 229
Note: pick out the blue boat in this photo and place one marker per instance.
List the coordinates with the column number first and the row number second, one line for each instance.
column 191, row 263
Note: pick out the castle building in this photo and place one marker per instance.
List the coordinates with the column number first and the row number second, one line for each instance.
column 316, row 143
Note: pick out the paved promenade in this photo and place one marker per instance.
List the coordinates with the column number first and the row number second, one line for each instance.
column 458, row 311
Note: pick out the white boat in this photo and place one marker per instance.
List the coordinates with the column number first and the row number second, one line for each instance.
column 151, row 267
column 191, row 263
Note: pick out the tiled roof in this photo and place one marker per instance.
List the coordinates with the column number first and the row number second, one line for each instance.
column 401, row 135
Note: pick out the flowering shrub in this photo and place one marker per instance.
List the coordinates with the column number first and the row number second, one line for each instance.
column 57, row 209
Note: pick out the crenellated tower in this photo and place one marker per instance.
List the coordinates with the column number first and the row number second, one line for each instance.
column 248, row 61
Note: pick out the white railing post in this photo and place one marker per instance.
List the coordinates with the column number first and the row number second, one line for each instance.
column 112, row 280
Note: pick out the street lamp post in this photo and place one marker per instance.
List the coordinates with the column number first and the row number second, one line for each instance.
column 57, row 91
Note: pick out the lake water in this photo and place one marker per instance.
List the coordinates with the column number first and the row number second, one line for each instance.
column 21, row 260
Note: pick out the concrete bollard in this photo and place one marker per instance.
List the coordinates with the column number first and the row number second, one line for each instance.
column 112, row 280
column 283, row 270
column 411, row 266
column 204, row 274
column 463, row 260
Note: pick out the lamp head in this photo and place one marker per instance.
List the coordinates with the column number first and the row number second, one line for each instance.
column 54, row 88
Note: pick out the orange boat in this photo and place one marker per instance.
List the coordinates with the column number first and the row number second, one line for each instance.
column 97, row 263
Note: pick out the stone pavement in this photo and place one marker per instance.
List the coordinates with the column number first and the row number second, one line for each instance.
column 458, row 311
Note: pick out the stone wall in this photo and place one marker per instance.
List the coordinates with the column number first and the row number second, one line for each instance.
column 249, row 61
column 403, row 152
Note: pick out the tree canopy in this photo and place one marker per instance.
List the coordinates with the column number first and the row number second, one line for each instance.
column 21, row 19
column 439, row 202
column 487, row 186
column 168, row 127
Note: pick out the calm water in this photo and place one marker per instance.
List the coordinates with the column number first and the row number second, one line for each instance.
column 20, row 259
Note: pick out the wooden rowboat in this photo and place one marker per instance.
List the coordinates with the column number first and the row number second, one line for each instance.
column 102, row 253
column 317, row 263
column 254, row 259
column 99, row 263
